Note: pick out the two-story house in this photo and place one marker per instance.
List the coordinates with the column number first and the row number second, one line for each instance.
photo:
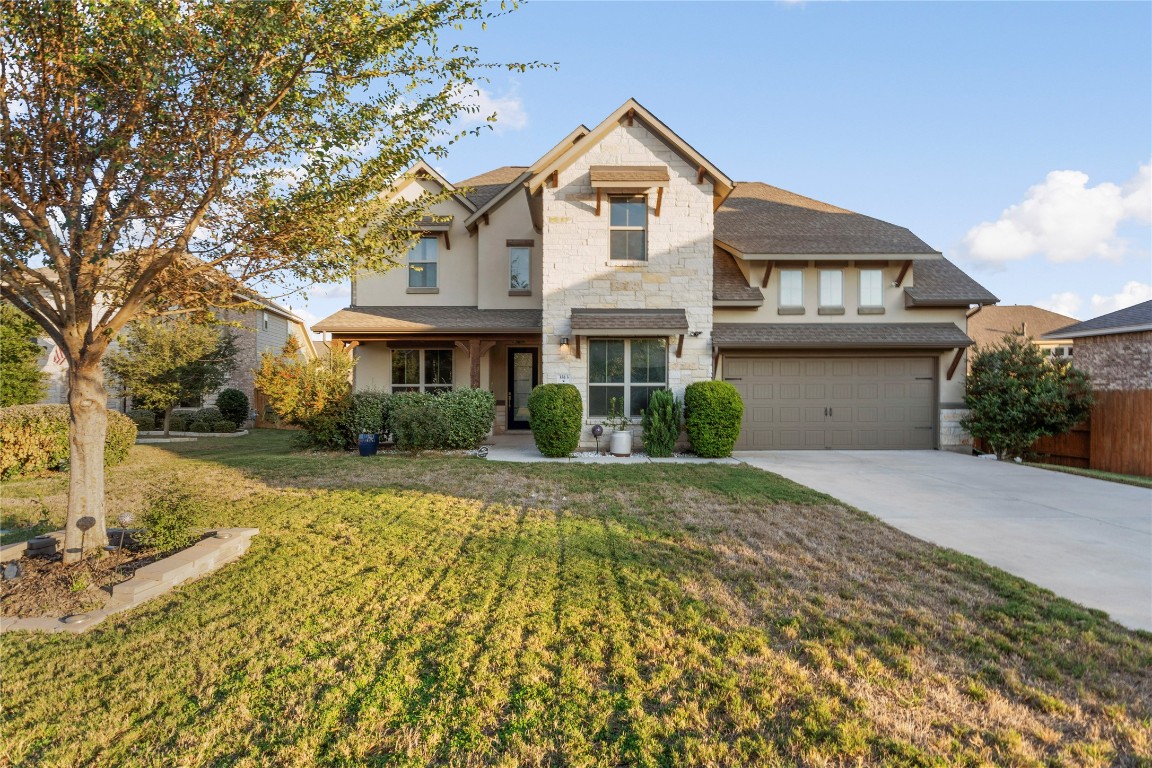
column 624, row 261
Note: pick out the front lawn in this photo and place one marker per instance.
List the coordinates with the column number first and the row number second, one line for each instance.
column 453, row 611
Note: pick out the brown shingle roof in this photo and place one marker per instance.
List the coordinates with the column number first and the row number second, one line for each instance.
column 639, row 173
column 760, row 219
column 839, row 335
column 728, row 283
column 426, row 319
column 989, row 325
column 940, row 283
column 629, row 319
column 480, row 189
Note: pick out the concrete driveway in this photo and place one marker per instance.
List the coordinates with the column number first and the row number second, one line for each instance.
column 1087, row 540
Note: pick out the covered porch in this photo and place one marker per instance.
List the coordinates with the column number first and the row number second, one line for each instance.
column 433, row 349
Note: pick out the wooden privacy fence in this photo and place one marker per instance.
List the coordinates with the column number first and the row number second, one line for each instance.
column 1116, row 438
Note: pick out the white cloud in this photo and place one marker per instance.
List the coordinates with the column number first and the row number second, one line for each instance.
column 331, row 291
column 310, row 319
column 1064, row 219
column 1070, row 303
column 509, row 110
column 1066, row 303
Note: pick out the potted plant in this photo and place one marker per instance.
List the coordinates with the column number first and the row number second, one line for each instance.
column 620, row 444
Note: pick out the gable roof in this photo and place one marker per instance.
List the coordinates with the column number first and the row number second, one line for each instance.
column 422, row 169
column 759, row 220
column 483, row 188
column 720, row 181
column 940, row 283
column 1129, row 320
column 988, row 325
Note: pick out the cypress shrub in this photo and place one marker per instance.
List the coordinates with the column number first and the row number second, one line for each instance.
column 661, row 420
column 554, row 413
column 712, row 414
column 34, row 438
column 233, row 405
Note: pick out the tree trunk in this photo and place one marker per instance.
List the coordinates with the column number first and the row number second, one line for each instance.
column 167, row 419
column 87, row 402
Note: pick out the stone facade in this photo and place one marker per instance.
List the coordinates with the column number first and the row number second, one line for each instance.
column 954, row 437
column 1121, row 361
column 578, row 272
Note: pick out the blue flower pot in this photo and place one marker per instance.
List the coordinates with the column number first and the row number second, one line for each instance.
column 369, row 444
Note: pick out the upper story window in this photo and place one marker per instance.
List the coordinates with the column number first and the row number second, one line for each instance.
column 422, row 263
column 791, row 288
column 627, row 371
column 519, row 263
column 628, row 226
column 421, row 370
column 831, row 289
column 871, row 288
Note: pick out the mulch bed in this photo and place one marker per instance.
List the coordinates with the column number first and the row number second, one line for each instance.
column 47, row 587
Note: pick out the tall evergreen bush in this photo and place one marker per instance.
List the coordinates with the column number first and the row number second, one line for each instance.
column 554, row 413
column 712, row 414
column 661, row 421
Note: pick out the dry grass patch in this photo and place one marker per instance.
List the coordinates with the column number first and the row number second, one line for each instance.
column 457, row 612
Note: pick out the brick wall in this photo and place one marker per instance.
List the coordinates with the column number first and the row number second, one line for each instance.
column 1119, row 362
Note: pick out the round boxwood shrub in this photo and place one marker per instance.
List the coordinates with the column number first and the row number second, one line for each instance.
column 712, row 414
column 470, row 413
column 209, row 414
column 179, row 422
column 554, row 413
column 233, row 405
column 224, row 426
column 144, row 419
column 34, row 438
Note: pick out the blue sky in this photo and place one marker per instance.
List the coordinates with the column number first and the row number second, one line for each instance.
column 1014, row 137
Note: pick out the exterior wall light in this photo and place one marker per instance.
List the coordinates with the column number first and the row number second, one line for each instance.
column 564, row 341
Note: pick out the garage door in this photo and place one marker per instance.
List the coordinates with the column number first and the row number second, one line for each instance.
column 851, row 403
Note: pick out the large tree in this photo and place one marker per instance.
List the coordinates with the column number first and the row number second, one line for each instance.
column 21, row 380
column 154, row 151
column 161, row 361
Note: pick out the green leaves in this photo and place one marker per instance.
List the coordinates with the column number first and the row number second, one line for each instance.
column 1016, row 395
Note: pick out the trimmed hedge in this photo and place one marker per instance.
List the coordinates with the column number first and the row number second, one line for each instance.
column 661, row 420
column 366, row 412
column 233, row 404
column 554, row 413
column 712, row 414
column 455, row 420
column 143, row 419
column 34, row 438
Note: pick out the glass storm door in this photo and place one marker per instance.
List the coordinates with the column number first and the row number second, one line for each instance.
column 521, row 380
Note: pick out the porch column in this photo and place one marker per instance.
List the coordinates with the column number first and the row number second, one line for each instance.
column 475, row 349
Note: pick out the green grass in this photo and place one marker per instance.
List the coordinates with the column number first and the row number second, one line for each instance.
column 452, row 611
column 1112, row 477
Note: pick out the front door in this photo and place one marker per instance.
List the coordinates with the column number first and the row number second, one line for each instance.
column 521, row 381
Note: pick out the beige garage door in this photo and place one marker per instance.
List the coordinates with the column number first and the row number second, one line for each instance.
column 848, row 402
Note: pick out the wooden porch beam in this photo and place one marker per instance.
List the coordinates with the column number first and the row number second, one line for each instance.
column 955, row 362
column 555, row 178
column 680, row 347
column 577, row 346
column 903, row 272
column 659, row 199
column 599, row 192
column 767, row 273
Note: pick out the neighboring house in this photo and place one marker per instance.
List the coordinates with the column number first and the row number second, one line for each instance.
column 1116, row 351
column 263, row 326
column 624, row 261
column 989, row 325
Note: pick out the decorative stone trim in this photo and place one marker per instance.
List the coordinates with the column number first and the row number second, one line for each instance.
column 151, row 581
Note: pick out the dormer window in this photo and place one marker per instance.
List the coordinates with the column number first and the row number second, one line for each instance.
column 628, row 224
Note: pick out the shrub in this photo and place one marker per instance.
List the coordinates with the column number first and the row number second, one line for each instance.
column 179, row 422
column 209, row 414
column 34, row 438
column 366, row 413
column 200, row 425
column 419, row 423
column 223, row 426
column 143, row 419
column 554, row 413
column 470, row 413
column 233, row 404
column 712, row 414
column 167, row 523
column 1016, row 395
column 661, row 420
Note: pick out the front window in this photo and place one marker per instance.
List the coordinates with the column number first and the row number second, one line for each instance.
column 831, row 288
column 627, row 370
column 871, row 288
column 627, row 225
column 791, row 288
column 421, row 370
column 518, row 263
column 422, row 264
